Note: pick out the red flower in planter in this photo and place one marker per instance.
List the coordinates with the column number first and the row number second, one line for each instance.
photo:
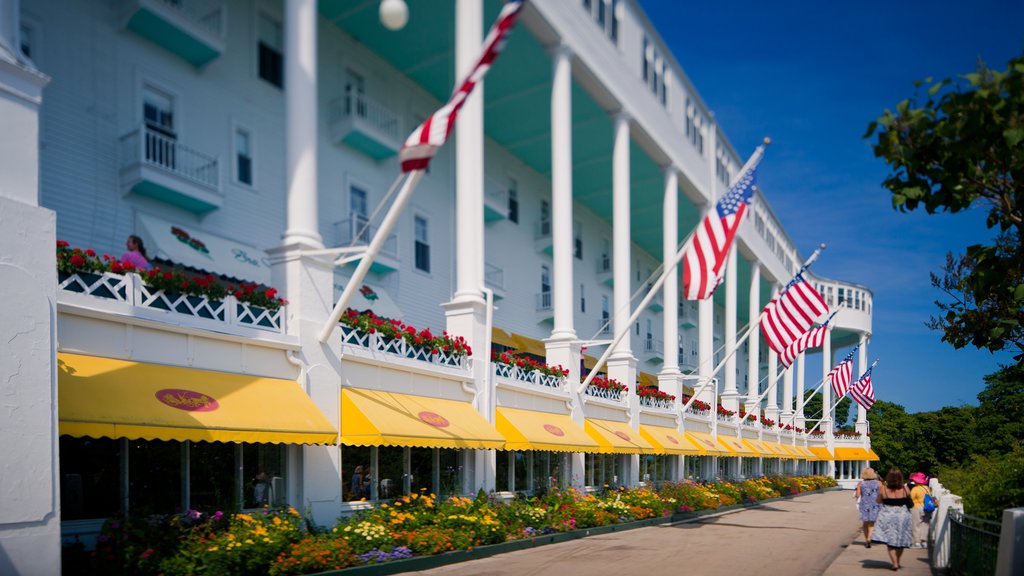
column 77, row 261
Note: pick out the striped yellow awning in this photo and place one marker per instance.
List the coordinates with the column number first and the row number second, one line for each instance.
column 805, row 453
column 776, row 449
column 758, row 447
column 531, row 430
column 821, row 452
column 737, row 447
column 530, row 345
column 376, row 418
column 708, row 444
column 872, row 455
column 103, row 397
column 499, row 336
column 792, row 450
column 853, row 454
column 616, row 437
column 669, row 441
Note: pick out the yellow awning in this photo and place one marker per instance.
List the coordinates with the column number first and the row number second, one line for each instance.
column 616, row 437
column 103, row 397
column 821, row 452
column 669, row 441
column 852, row 454
column 375, row 418
column 736, row 446
column 776, row 450
column 791, row 450
column 758, row 447
column 647, row 379
column 708, row 444
column 530, row 430
column 530, row 345
column 872, row 455
column 805, row 453
column 499, row 336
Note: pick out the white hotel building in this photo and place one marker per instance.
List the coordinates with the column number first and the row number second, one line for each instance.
column 268, row 131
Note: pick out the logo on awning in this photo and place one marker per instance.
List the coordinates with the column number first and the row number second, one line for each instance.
column 554, row 430
column 623, row 435
column 434, row 419
column 671, row 439
column 188, row 400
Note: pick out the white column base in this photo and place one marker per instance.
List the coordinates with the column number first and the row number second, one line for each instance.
column 730, row 400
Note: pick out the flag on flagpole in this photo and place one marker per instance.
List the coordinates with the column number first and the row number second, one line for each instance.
column 789, row 315
column 813, row 339
column 704, row 257
column 863, row 392
column 842, row 374
column 423, row 143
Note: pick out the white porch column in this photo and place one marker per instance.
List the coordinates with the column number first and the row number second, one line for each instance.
column 862, row 365
column 753, row 346
column 730, row 396
column 562, row 348
column 561, row 192
column 30, row 513
column 706, row 308
column 799, row 421
column 668, row 378
column 787, row 395
column 301, row 123
column 826, row 390
column 771, row 407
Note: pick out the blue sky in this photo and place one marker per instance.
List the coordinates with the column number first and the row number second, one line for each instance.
column 812, row 76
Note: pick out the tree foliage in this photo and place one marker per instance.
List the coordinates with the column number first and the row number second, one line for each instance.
column 812, row 410
column 964, row 147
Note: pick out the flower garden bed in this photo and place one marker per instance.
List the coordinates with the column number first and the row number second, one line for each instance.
column 414, row 532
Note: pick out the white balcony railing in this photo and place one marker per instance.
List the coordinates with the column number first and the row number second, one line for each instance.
column 151, row 148
column 533, row 377
column 494, row 277
column 132, row 290
column 606, row 393
column 361, row 107
column 653, row 346
column 652, row 402
column 357, row 231
column 604, row 264
column 376, row 342
column 544, row 301
column 542, row 229
column 698, row 412
column 203, row 14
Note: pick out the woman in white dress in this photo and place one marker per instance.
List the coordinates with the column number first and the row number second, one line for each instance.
column 893, row 526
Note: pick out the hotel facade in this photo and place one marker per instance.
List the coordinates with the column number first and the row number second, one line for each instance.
column 257, row 140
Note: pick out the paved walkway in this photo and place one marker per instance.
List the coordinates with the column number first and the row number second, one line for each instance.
column 809, row 535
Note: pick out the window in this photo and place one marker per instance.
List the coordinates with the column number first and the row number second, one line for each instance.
column 606, row 259
column 271, row 51
column 583, row 299
column 545, row 279
column 545, row 218
column 422, row 244
column 577, row 240
column 513, row 200
column 243, row 157
column 652, row 71
column 606, row 14
column 355, row 94
column 26, row 39
column 605, row 308
column 158, row 111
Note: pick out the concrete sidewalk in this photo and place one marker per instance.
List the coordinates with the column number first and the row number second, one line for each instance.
column 809, row 535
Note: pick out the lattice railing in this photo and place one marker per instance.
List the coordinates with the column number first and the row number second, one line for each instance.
column 606, row 393
column 130, row 289
column 699, row 412
column 652, row 402
column 398, row 347
column 533, row 377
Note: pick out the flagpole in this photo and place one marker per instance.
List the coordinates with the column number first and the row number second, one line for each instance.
column 376, row 244
column 621, row 331
column 820, row 420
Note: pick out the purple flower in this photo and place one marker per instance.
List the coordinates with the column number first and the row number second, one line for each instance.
column 217, row 515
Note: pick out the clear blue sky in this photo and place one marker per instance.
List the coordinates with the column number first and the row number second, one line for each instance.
column 812, row 76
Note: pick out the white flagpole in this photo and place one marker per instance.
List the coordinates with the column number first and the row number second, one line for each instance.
column 621, row 331
column 822, row 418
column 390, row 218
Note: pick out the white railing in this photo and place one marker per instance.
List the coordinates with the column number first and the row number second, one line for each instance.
column 606, row 327
column 652, row 346
column 375, row 114
column 494, row 277
column 606, row 393
column 400, row 348
column 132, row 290
column 652, row 402
column 534, row 377
column 148, row 147
column 542, row 229
column 699, row 412
column 497, row 196
column 749, row 423
column 724, row 417
column 202, row 13
column 357, row 231
column 543, row 301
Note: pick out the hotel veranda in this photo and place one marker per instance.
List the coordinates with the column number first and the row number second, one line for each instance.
column 254, row 141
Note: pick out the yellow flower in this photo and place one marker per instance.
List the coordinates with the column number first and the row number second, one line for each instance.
column 213, row 549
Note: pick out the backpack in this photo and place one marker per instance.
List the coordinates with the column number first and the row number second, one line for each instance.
column 929, row 503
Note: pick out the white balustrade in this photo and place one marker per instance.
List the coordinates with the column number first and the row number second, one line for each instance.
column 653, row 402
column 606, row 393
column 534, row 377
column 399, row 347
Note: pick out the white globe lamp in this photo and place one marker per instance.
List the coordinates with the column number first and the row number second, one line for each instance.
column 394, row 14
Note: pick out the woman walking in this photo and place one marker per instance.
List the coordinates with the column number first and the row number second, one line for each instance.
column 893, row 527
column 867, row 502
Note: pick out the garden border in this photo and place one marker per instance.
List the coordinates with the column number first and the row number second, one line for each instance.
column 419, row 563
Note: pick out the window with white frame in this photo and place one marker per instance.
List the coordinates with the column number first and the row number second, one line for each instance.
column 421, row 244
column 607, row 15
column 694, row 126
column 270, row 50
column 653, row 70
column 243, row 157
column 577, row 239
column 26, row 39
column 358, row 211
column 513, row 200
column 583, row 298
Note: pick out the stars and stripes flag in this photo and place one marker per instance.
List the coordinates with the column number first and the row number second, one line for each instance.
column 789, row 315
column 423, row 143
column 813, row 339
column 863, row 392
column 841, row 375
column 704, row 257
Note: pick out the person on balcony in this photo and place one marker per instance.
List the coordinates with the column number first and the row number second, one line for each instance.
column 136, row 254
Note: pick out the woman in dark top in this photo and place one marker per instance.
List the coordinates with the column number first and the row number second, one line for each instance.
column 893, row 527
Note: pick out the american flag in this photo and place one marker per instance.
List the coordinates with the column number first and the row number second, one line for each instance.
column 812, row 339
column 424, row 142
column 790, row 314
column 704, row 258
column 841, row 375
column 863, row 392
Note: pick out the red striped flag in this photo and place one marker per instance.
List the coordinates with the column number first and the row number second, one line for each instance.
column 424, row 142
column 863, row 392
column 790, row 314
column 813, row 339
column 706, row 252
column 841, row 376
